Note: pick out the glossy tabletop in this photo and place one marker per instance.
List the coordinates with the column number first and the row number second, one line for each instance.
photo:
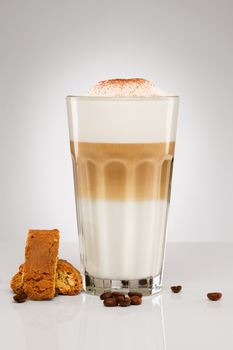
column 164, row 321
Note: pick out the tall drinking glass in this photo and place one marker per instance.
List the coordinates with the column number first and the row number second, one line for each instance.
column 122, row 150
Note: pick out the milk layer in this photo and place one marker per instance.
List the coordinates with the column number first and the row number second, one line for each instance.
column 122, row 239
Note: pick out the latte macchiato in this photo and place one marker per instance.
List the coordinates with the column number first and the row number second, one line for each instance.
column 122, row 149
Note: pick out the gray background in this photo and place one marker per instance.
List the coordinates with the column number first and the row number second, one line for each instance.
column 50, row 49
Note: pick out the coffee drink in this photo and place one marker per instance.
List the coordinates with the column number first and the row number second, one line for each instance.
column 122, row 149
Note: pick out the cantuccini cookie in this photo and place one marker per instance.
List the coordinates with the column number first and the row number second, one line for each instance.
column 40, row 265
column 68, row 279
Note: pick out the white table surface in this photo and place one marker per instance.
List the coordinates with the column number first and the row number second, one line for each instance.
column 185, row 321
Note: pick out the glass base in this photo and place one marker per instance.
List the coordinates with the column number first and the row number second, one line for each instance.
column 97, row 286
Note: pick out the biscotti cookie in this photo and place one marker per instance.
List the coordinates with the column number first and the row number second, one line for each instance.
column 40, row 265
column 68, row 278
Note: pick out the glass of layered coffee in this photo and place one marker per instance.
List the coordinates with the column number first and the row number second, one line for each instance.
column 122, row 140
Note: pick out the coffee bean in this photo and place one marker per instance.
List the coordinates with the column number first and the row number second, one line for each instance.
column 106, row 295
column 132, row 294
column 214, row 296
column 176, row 289
column 125, row 302
column 117, row 294
column 110, row 302
column 120, row 298
column 136, row 300
column 20, row 297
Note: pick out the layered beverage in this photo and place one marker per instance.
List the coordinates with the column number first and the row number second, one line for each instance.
column 122, row 140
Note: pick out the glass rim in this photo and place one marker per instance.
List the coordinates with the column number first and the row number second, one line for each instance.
column 121, row 98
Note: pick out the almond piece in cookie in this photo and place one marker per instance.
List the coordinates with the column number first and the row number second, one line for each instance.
column 40, row 264
column 68, row 278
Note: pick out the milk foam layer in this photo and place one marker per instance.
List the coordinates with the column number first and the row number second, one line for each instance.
column 123, row 120
column 123, row 240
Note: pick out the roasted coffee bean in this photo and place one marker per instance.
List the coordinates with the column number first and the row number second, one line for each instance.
column 125, row 302
column 20, row 297
column 120, row 298
column 110, row 302
column 136, row 300
column 132, row 294
column 214, row 296
column 106, row 295
column 117, row 294
column 176, row 289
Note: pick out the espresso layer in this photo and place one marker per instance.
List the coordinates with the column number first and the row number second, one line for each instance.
column 115, row 171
